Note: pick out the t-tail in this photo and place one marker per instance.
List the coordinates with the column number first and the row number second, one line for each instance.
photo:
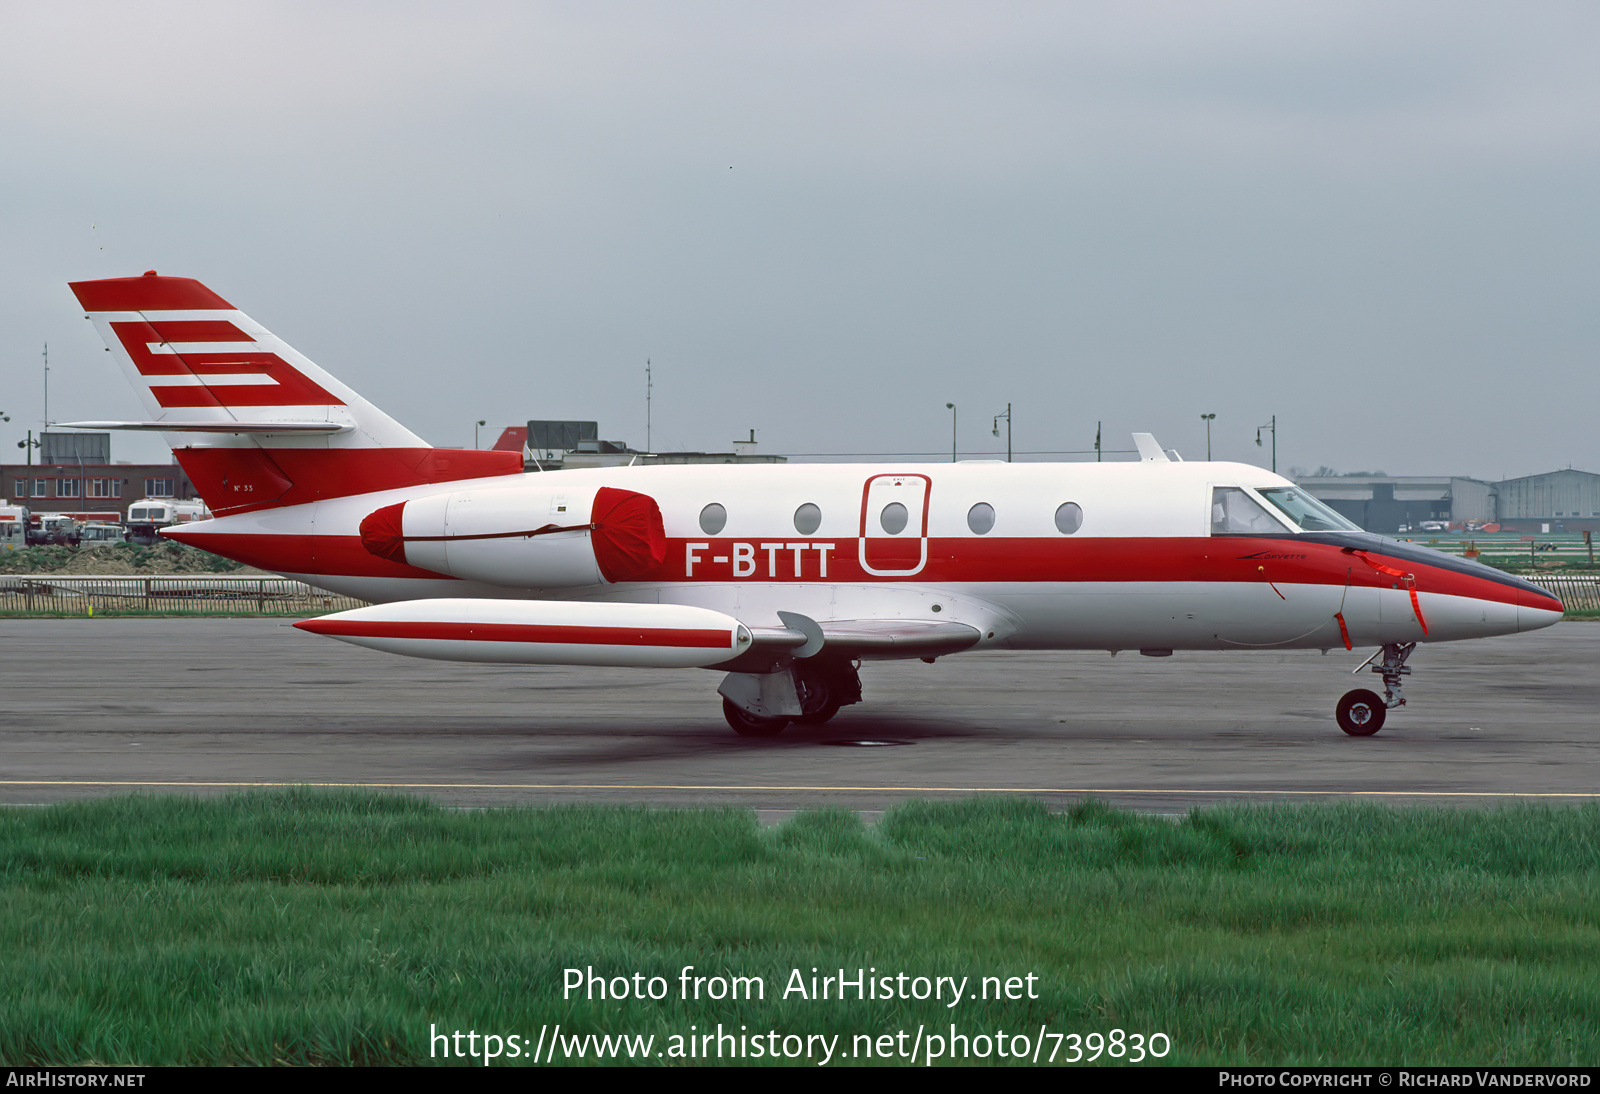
column 253, row 423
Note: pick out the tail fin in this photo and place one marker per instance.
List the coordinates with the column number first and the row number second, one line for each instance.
column 254, row 423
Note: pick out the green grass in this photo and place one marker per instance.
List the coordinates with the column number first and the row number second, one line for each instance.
column 308, row 927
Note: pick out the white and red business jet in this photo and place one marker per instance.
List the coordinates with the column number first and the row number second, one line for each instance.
column 786, row 577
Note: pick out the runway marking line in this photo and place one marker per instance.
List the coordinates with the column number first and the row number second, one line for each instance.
column 879, row 789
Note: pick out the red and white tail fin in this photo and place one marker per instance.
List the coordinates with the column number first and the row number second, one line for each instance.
column 254, row 423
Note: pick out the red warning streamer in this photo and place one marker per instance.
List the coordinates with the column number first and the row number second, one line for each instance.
column 1409, row 579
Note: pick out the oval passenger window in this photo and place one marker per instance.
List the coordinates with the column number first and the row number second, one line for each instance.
column 807, row 519
column 1069, row 518
column 893, row 518
column 712, row 519
column 980, row 518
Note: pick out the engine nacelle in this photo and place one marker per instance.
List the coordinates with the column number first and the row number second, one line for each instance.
column 531, row 538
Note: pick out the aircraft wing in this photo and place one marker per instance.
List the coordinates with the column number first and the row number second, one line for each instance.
column 865, row 639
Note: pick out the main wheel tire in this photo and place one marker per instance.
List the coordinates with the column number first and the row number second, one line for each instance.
column 819, row 716
column 1361, row 713
column 817, row 700
column 746, row 724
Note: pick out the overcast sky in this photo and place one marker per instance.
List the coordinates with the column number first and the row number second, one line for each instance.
column 824, row 221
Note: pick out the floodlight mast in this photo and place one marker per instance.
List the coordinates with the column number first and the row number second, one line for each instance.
column 1271, row 427
column 1006, row 414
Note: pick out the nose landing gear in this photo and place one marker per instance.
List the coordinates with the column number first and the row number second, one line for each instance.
column 1361, row 713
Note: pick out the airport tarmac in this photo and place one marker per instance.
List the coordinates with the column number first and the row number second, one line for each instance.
column 112, row 706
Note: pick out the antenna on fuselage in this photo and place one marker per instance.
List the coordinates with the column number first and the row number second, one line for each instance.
column 647, row 386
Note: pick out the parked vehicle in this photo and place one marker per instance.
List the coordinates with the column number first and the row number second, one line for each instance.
column 148, row 516
column 101, row 534
column 14, row 520
column 54, row 529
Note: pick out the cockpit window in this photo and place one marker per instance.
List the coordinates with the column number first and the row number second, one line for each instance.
column 1233, row 512
column 1306, row 511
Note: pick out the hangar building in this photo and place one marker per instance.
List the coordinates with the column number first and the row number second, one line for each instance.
column 1569, row 499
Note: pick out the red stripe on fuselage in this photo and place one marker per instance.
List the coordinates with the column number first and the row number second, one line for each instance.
column 950, row 561
column 521, row 632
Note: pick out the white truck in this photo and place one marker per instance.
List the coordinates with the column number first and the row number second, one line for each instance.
column 151, row 514
column 14, row 527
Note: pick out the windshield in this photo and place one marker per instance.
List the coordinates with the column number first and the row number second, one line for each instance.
column 1233, row 512
column 1306, row 511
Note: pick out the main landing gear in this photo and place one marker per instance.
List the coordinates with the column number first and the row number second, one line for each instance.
column 746, row 724
column 821, row 691
column 1361, row 713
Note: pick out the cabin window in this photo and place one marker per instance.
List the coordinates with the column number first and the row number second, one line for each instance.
column 893, row 518
column 1233, row 512
column 1069, row 517
column 980, row 518
column 807, row 519
column 713, row 518
column 1306, row 511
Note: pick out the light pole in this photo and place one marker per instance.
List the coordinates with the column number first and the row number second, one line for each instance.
column 1271, row 427
column 1207, row 418
column 475, row 433
column 996, row 431
column 951, row 407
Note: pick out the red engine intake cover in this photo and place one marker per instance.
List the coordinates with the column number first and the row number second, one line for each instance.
column 629, row 538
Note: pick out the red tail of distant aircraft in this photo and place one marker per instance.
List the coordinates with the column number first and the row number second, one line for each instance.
column 786, row 577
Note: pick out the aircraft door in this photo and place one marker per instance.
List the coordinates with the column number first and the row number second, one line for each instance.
column 894, row 525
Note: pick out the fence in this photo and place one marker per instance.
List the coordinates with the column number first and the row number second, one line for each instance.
column 201, row 595
column 1577, row 593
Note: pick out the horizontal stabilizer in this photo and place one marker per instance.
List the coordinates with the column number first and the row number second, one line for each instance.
column 216, row 427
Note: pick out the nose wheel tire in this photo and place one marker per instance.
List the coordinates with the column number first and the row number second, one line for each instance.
column 746, row 724
column 1361, row 713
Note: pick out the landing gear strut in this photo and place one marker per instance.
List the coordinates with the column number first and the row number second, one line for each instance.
column 1361, row 713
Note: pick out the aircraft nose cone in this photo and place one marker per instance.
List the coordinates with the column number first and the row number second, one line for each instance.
column 1538, row 608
